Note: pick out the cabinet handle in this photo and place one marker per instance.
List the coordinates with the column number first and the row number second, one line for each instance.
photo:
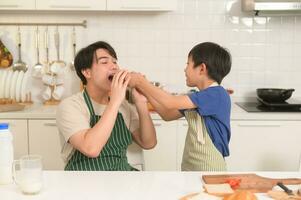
column 141, row 7
column 66, row 6
column 9, row 6
column 156, row 124
column 259, row 125
column 49, row 124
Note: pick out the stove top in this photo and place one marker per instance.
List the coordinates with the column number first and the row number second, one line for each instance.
column 263, row 106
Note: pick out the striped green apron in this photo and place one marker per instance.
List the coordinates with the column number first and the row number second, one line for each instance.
column 113, row 155
column 200, row 154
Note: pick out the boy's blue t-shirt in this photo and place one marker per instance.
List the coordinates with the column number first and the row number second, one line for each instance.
column 214, row 105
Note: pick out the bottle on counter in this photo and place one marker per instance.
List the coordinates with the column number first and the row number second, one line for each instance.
column 6, row 154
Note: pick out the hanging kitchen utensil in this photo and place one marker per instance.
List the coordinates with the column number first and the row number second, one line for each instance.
column 37, row 68
column 19, row 65
column 73, row 36
column 45, row 68
column 57, row 65
column 6, row 58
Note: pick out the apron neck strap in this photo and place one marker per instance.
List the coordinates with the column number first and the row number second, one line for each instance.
column 88, row 102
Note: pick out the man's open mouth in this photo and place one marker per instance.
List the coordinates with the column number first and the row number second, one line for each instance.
column 110, row 77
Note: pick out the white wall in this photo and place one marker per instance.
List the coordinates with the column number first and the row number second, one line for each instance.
column 265, row 50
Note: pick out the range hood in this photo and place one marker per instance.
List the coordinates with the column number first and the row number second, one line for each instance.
column 283, row 6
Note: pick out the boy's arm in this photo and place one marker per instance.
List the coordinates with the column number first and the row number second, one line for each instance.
column 170, row 102
column 165, row 114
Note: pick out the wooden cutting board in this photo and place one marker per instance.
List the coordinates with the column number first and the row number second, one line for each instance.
column 250, row 182
column 11, row 107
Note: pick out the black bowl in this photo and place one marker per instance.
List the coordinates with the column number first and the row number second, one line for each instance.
column 274, row 94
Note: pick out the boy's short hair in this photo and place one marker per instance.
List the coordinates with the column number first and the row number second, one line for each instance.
column 84, row 58
column 216, row 58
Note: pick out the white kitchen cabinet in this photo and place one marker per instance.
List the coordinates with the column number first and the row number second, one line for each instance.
column 18, row 128
column 135, row 156
column 71, row 5
column 17, row 5
column 265, row 146
column 163, row 156
column 181, row 136
column 44, row 140
column 90, row 5
column 141, row 5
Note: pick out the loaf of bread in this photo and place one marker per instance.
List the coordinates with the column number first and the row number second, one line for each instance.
column 241, row 195
column 218, row 189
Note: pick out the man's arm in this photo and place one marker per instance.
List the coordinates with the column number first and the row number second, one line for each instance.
column 145, row 135
column 91, row 141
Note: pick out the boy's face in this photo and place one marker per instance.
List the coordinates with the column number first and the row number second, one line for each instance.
column 103, row 68
column 191, row 73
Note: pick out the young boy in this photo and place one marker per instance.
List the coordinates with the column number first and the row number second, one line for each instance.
column 207, row 111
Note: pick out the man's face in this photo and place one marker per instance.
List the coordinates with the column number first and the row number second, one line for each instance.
column 103, row 68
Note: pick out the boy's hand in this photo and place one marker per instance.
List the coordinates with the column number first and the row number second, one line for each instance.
column 230, row 91
column 135, row 78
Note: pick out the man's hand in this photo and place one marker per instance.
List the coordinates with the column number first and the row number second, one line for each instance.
column 138, row 97
column 119, row 84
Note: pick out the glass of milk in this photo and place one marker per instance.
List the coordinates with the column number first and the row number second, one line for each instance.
column 27, row 173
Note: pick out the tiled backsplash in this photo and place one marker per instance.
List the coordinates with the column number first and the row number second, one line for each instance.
column 265, row 50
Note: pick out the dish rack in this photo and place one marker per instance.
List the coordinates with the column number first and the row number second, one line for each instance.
column 13, row 89
column 7, row 105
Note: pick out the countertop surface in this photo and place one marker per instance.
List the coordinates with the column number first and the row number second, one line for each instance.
column 39, row 111
column 120, row 185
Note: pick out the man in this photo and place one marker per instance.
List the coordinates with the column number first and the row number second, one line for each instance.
column 98, row 124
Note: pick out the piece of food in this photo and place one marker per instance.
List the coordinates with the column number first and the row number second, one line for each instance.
column 218, row 189
column 200, row 196
column 241, row 195
column 4, row 63
column 234, row 182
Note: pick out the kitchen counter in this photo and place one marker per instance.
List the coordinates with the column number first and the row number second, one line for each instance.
column 34, row 111
column 39, row 111
column 120, row 185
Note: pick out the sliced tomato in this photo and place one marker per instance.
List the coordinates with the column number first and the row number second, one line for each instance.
column 233, row 182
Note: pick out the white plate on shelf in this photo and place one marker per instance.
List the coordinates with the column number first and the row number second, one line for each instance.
column 19, row 85
column 13, row 85
column 2, row 77
column 23, row 87
column 2, row 86
column 8, row 83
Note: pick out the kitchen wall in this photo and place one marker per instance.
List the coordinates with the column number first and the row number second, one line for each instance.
column 265, row 50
